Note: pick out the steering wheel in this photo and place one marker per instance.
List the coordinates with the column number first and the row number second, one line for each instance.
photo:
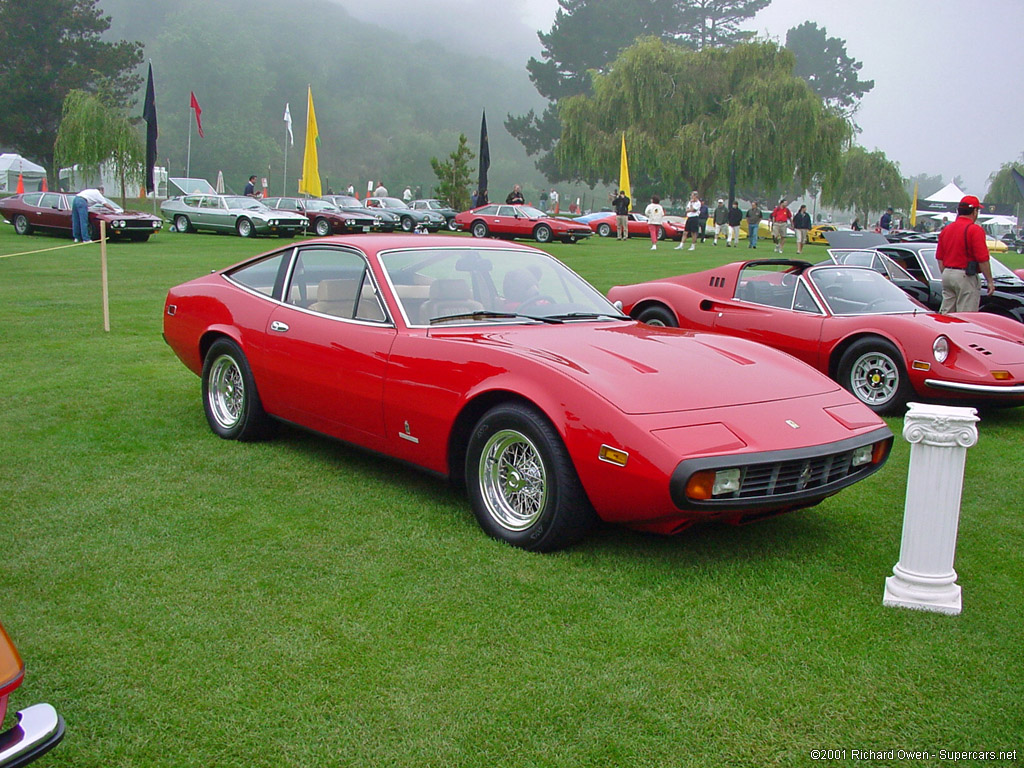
column 534, row 301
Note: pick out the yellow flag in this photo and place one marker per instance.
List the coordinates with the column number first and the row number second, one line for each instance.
column 624, row 173
column 310, row 181
column 913, row 209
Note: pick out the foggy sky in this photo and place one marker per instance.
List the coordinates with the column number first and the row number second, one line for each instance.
column 947, row 98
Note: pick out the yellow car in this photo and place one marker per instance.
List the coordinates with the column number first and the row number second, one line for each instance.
column 817, row 233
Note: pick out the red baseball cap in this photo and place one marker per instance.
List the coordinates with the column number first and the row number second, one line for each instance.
column 972, row 201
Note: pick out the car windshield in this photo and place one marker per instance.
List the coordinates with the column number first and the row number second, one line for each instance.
column 319, row 205
column 1002, row 274
column 110, row 204
column 859, row 291
column 495, row 285
column 246, row 203
column 391, row 202
column 347, row 202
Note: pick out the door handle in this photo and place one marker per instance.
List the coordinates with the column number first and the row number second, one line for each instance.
column 278, row 326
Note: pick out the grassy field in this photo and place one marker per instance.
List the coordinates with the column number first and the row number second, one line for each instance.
column 188, row 601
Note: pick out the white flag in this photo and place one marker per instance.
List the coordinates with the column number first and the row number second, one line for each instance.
column 288, row 122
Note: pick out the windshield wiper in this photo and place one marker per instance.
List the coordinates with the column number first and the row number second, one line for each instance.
column 591, row 316
column 488, row 315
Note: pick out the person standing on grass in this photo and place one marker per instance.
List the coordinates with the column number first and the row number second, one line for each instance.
column 802, row 227
column 703, row 216
column 962, row 253
column 80, row 212
column 621, row 204
column 655, row 217
column 735, row 216
column 721, row 220
column 753, row 224
column 692, row 228
column 780, row 219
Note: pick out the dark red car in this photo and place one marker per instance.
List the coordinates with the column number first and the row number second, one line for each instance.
column 38, row 729
column 510, row 221
column 325, row 218
column 51, row 212
column 495, row 365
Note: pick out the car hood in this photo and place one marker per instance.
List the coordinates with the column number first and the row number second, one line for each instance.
column 643, row 369
column 848, row 238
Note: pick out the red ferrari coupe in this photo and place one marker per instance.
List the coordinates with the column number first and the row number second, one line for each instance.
column 51, row 211
column 497, row 366
column 510, row 221
column 39, row 727
column 849, row 322
column 605, row 225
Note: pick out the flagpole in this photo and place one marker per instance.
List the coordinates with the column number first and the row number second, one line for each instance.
column 284, row 179
column 188, row 157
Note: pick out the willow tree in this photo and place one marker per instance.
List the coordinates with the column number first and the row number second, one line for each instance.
column 1001, row 186
column 92, row 134
column 868, row 182
column 688, row 115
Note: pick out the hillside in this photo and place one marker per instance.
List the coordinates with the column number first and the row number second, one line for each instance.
column 384, row 105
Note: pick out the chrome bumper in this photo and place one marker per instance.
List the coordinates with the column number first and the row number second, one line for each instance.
column 979, row 389
column 39, row 729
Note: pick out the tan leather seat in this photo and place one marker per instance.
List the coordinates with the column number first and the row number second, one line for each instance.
column 336, row 297
column 448, row 297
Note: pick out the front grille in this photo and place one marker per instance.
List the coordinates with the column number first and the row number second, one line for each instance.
column 781, row 479
column 792, row 476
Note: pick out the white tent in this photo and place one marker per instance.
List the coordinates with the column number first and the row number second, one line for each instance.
column 11, row 165
column 950, row 193
column 72, row 179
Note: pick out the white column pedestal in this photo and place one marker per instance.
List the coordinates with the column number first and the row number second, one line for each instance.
column 924, row 578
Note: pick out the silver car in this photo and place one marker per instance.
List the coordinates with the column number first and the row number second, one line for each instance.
column 245, row 216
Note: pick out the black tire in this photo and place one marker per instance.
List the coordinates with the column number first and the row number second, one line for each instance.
column 94, row 231
column 604, row 230
column 244, row 228
column 873, row 371
column 230, row 399
column 408, row 225
column 322, row 227
column 21, row 225
column 479, row 229
column 659, row 316
column 522, row 484
column 542, row 234
column 182, row 224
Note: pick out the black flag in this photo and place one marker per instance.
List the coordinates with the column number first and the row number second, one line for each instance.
column 149, row 115
column 485, row 162
column 1018, row 179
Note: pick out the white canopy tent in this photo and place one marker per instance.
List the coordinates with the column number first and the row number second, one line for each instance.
column 11, row 165
column 950, row 193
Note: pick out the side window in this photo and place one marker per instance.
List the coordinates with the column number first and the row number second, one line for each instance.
column 32, row 199
column 334, row 282
column 50, row 200
column 803, row 301
column 191, row 200
column 262, row 275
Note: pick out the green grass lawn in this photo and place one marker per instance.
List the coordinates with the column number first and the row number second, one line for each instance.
column 188, row 601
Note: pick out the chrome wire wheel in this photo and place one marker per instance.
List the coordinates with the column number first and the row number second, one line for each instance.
column 226, row 392
column 875, row 378
column 513, row 480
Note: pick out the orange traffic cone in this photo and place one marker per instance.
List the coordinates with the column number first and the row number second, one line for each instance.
column 21, row 185
column 44, row 188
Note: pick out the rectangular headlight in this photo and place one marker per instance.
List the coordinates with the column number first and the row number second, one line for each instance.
column 862, row 455
column 726, row 481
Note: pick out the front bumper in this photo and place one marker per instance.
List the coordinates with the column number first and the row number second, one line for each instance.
column 1014, row 390
column 39, row 730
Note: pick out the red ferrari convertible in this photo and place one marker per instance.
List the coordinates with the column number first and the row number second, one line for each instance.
column 39, row 727
column 849, row 322
column 497, row 366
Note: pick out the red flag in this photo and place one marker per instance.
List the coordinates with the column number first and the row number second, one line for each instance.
column 195, row 105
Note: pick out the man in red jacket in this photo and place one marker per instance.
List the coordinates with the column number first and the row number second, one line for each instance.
column 780, row 217
column 962, row 254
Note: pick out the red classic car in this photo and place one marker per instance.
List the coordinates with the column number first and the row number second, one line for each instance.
column 605, row 225
column 510, row 221
column 39, row 728
column 325, row 218
column 849, row 322
column 497, row 366
column 51, row 211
